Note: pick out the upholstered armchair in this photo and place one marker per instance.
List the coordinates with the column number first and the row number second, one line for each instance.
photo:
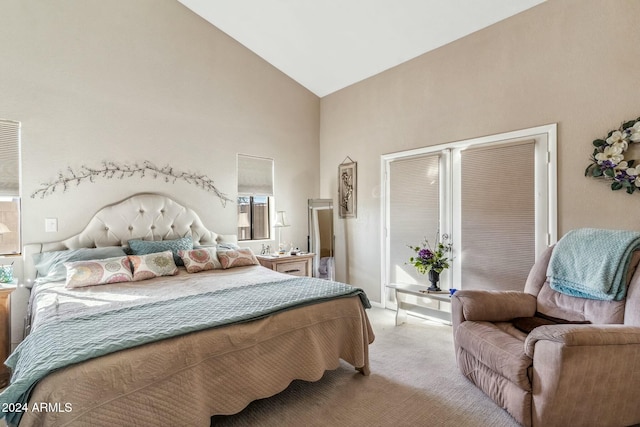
column 558, row 374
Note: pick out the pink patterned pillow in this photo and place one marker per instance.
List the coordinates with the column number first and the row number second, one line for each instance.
column 197, row 260
column 98, row 272
column 237, row 258
column 153, row 265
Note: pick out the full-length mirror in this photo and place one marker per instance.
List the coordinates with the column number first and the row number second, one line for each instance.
column 321, row 240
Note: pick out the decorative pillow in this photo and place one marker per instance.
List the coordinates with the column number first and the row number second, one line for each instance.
column 237, row 258
column 98, row 272
column 198, row 260
column 50, row 265
column 153, row 265
column 144, row 247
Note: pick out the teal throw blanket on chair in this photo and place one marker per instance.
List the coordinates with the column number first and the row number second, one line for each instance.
column 593, row 263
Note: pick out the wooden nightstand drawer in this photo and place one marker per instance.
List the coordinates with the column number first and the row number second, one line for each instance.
column 298, row 268
column 296, row 265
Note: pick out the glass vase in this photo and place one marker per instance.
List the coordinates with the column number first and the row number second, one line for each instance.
column 6, row 273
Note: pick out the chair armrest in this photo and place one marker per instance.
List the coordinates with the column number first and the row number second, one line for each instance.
column 584, row 373
column 492, row 306
column 582, row 335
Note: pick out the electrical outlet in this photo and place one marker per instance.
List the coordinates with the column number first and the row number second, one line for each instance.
column 51, row 225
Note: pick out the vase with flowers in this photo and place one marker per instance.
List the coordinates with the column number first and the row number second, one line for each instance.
column 432, row 260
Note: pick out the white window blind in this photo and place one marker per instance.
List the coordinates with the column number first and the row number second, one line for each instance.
column 414, row 211
column 498, row 215
column 9, row 158
column 10, row 242
column 255, row 176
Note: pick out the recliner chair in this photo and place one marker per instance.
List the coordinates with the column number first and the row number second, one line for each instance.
column 559, row 374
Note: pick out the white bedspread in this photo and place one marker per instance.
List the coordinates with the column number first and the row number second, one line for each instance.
column 52, row 301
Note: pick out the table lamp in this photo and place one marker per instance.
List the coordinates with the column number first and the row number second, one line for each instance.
column 281, row 221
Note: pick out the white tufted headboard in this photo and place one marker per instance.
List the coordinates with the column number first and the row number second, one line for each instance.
column 141, row 216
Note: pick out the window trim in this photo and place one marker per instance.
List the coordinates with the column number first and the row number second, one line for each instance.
column 546, row 211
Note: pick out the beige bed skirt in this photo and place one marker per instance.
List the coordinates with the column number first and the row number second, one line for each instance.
column 187, row 379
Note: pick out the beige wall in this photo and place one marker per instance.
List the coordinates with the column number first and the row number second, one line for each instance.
column 572, row 62
column 147, row 80
column 120, row 80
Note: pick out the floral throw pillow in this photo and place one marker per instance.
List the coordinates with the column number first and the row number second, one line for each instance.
column 153, row 265
column 237, row 258
column 98, row 272
column 198, row 260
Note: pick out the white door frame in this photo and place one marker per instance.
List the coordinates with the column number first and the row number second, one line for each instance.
column 545, row 190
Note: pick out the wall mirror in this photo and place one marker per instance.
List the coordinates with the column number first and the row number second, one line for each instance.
column 321, row 238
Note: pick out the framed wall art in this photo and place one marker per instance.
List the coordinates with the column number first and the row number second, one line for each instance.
column 347, row 188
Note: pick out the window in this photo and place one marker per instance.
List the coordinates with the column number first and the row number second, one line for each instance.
column 493, row 196
column 414, row 204
column 9, row 187
column 255, row 197
column 253, row 217
column 497, row 221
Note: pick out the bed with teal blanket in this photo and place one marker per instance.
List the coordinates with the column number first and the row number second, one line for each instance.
column 176, row 350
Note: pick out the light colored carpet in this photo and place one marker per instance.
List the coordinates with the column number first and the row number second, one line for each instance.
column 414, row 382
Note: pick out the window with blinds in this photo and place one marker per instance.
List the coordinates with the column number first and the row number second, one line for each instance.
column 255, row 197
column 414, row 212
column 9, row 187
column 493, row 196
column 497, row 215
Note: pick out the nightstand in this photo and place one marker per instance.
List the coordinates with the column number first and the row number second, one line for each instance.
column 296, row 265
column 5, row 329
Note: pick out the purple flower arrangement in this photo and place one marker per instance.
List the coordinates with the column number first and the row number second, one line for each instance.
column 428, row 258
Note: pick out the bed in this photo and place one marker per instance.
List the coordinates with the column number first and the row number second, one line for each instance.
column 174, row 349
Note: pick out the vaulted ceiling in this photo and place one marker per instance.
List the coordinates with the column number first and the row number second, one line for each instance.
column 326, row 45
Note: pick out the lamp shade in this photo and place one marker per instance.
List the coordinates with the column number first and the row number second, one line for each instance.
column 281, row 219
column 4, row 229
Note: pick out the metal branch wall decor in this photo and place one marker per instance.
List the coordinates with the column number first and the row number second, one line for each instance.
column 347, row 180
column 110, row 170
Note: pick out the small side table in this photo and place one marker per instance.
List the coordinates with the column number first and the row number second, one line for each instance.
column 420, row 292
column 5, row 329
column 296, row 265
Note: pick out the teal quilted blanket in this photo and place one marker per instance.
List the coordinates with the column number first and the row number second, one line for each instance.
column 56, row 344
column 592, row 263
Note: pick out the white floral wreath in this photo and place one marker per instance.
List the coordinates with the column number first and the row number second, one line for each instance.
column 607, row 160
